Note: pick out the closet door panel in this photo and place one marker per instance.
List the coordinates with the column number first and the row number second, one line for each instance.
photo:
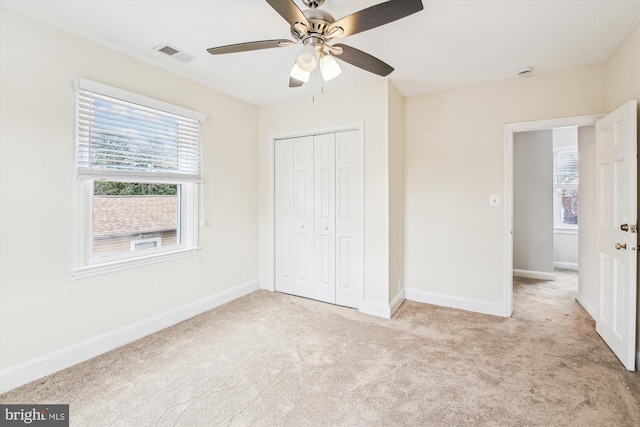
column 349, row 218
column 325, row 195
column 284, row 223
column 303, row 201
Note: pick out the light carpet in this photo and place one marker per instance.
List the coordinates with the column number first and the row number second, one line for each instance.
column 270, row 359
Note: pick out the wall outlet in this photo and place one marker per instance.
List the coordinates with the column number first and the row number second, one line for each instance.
column 494, row 200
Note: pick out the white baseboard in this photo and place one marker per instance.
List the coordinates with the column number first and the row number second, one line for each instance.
column 383, row 310
column 456, row 302
column 375, row 309
column 529, row 274
column 58, row 360
column 566, row 265
column 396, row 303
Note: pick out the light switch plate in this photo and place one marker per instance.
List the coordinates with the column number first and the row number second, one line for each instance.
column 494, row 200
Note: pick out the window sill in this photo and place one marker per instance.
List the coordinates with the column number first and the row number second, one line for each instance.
column 565, row 230
column 98, row 269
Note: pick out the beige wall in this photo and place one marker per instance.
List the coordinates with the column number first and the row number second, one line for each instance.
column 396, row 192
column 622, row 73
column 41, row 308
column 367, row 104
column 454, row 159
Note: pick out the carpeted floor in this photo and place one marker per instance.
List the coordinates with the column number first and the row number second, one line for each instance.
column 271, row 359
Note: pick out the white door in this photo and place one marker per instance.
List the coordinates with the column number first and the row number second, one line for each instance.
column 616, row 178
column 325, row 208
column 303, row 216
column 294, row 269
column 318, row 214
column 349, row 219
column 283, row 206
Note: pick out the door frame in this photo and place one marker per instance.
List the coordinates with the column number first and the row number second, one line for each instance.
column 509, row 130
column 357, row 126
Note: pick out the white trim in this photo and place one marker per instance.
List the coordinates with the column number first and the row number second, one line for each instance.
column 124, row 95
column 566, row 265
column 376, row 309
column 509, row 130
column 48, row 364
column 467, row 304
column 530, row 274
column 98, row 269
column 396, row 303
column 358, row 126
column 563, row 230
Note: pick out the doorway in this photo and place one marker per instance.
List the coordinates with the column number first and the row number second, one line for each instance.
column 612, row 229
column 586, row 284
column 546, row 201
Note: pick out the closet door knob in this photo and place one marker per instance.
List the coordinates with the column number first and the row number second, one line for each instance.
column 302, row 227
column 326, row 228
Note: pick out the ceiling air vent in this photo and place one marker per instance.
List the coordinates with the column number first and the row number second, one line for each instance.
column 174, row 52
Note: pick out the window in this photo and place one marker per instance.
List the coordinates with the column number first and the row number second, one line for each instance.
column 565, row 185
column 138, row 169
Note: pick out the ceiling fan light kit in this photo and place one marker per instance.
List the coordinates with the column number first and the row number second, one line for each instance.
column 329, row 68
column 315, row 28
column 299, row 74
column 308, row 58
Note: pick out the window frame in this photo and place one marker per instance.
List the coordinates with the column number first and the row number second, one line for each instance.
column 558, row 226
column 86, row 265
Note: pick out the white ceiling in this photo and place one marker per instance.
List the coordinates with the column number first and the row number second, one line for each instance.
column 450, row 43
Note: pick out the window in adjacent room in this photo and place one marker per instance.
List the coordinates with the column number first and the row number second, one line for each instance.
column 138, row 167
column 565, row 185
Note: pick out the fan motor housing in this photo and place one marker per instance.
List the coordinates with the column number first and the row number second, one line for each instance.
column 319, row 21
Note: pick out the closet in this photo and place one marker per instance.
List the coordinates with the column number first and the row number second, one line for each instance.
column 318, row 213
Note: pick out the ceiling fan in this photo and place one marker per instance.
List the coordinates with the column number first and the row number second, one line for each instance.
column 315, row 28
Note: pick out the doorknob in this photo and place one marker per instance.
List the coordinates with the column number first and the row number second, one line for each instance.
column 619, row 246
column 302, row 227
column 326, row 228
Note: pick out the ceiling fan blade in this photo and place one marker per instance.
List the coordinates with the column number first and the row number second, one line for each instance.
column 246, row 47
column 363, row 60
column 293, row 82
column 376, row 16
column 289, row 11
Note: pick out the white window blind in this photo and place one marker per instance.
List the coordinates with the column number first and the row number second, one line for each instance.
column 121, row 138
column 138, row 164
column 565, row 167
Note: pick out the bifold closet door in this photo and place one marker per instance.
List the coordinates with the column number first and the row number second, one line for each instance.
column 325, row 216
column 319, row 216
column 294, row 216
column 349, row 218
